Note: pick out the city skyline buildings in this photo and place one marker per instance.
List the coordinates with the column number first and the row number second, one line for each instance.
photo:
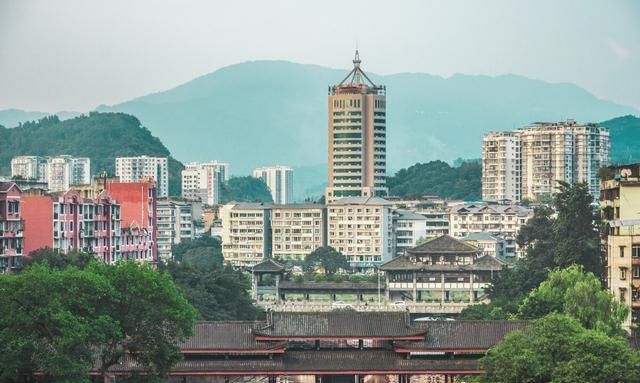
column 279, row 180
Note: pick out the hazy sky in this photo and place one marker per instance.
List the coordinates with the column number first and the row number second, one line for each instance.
column 75, row 55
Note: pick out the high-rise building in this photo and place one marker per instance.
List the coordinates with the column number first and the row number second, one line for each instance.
column 527, row 163
column 357, row 137
column 279, row 180
column 141, row 168
column 204, row 181
column 175, row 224
column 62, row 171
column 29, row 168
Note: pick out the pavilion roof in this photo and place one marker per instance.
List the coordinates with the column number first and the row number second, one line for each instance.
column 338, row 325
column 268, row 265
column 444, row 244
column 472, row 335
column 227, row 337
column 399, row 263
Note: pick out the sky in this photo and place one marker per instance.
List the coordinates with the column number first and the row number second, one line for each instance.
column 74, row 55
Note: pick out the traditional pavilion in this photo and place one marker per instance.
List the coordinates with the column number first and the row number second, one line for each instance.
column 338, row 346
column 439, row 269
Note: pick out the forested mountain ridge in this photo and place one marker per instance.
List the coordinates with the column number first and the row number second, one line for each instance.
column 100, row 136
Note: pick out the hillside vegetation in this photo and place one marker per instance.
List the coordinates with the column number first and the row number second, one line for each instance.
column 100, row 136
column 625, row 138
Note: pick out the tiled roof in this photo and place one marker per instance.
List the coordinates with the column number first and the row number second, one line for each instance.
column 321, row 362
column 360, row 201
column 5, row 186
column 480, row 236
column 215, row 337
column 409, row 215
column 492, row 209
column 399, row 263
column 461, row 335
column 338, row 325
column 444, row 244
column 268, row 265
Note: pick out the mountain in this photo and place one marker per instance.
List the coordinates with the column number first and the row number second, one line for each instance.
column 274, row 112
column 13, row 117
column 625, row 138
column 99, row 136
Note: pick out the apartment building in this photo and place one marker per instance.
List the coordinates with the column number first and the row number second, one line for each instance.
column 246, row 233
column 502, row 220
column 141, row 168
column 437, row 220
column 408, row 229
column 203, row 182
column 357, row 137
column 279, row 180
column 493, row 245
column 175, row 224
column 62, row 171
column 361, row 228
column 11, row 227
column 297, row 229
column 66, row 222
column 620, row 203
column 527, row 162
column 29, row 168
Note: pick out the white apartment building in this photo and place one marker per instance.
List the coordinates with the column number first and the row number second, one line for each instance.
column 361, row 228
column 492, row 245
column 246, row 233
column 174, row 224
column 203, row 182
column 136, row 169
column 29, row 168
column 63, row 171
column 437, row 221
column 495, row 219
column 297, row 229
column 408, row 229
column 279, row 180
column 527, row 162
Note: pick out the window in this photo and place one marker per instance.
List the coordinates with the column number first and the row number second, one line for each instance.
column 635, row 250
column 623, row 273
column 621, row 251
column 636, row 271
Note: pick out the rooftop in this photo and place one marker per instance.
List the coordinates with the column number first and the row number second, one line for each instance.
column 377, row 201
column 268, row 265
column 444, row 244
column 219, row 337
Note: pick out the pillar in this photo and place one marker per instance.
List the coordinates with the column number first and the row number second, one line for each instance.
column 277, row 288
column 386, row 287
column 441, row 288
column 254, row 286
column 471, row 297
column 271, row 379
column 415, row 288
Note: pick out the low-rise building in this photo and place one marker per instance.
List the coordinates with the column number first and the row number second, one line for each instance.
column 11, row 227
column 297, row 229
column 437, row 220
column 408, row 229
column 361, row 228
column 246, row 233
column 490, row 244
column 175, row 224
column 494, row 218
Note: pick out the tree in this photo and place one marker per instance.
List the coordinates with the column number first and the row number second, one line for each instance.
column 557, row 349
column 247, row 189
column 202, row 252
column 56, row 260
column 326, row 257
column 580, row 295
column 58, row 321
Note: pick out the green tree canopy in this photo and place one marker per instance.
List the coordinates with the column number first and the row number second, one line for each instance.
column 248, row 189
column 577, row 294
column 557, row 349
column 328, row 258
column 204, row 252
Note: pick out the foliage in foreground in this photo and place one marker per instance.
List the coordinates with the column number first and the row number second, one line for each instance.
column 557, row 349
column 58, row 321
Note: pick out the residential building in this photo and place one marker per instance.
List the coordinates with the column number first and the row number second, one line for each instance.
column 175, row 224
column 408, row 229
column 490, row 218
column 620, row 203
column 246, row 233
column 442, row 269
column 527, row 162
column 29, row 168
column 11, row 227
column 361, row 228
column 437, row 221
column 297, row 229
column 142, row 168
column 66, row 222
column 490, row 244
column 63, row 171
column 222, row 168
column 203, row 182
column 357, row 137
column 279, row 180
column 138, row 202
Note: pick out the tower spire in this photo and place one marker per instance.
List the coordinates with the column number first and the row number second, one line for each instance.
column 356, row 59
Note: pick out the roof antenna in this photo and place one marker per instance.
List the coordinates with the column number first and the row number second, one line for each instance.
column 356, row 59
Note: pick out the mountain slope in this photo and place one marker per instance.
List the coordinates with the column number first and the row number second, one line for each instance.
column 267, row 112
column 625, row 138
column 13, row 117
column 99, row 136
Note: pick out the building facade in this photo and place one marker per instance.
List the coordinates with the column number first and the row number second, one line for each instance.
column 357, row 137
column 478, row 218
column 297, row 229
column 63, row 171
column 408, row 229
column 246, row 233
column 279, row 180
column 527, row 163
column 361, row 228
column 11, row 227
column 175, row 224
column 490, row 244
column 203, row 182
column 136, row 169
column 29, row 168
column 620, row 203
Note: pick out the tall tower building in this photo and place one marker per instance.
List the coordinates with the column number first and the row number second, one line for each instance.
column 279, row 180
column 357, row 137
